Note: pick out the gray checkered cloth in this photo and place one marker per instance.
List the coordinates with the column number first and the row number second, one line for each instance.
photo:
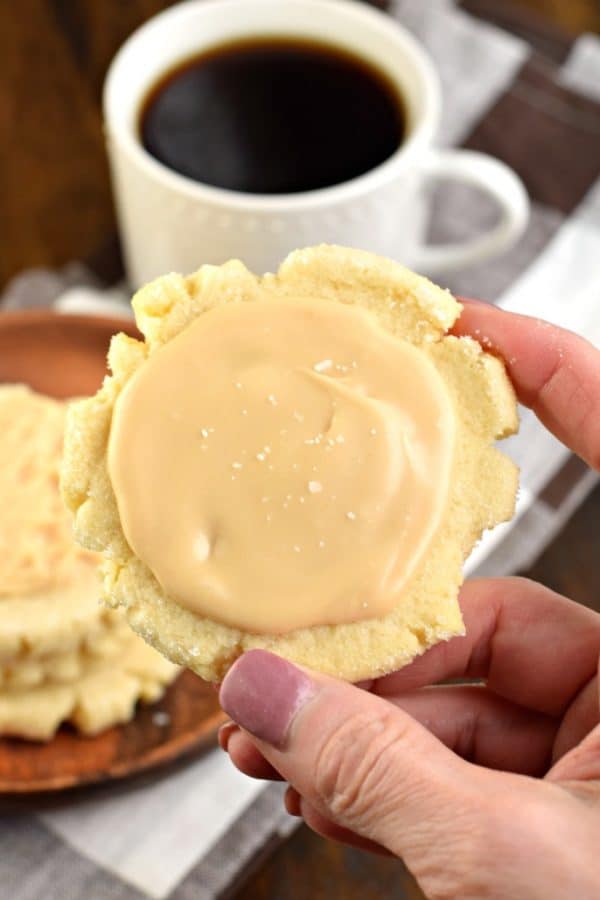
column 531, row 99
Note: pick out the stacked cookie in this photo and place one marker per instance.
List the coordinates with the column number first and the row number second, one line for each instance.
column 63, row 656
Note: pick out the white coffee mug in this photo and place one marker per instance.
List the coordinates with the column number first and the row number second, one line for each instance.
column 172, row 223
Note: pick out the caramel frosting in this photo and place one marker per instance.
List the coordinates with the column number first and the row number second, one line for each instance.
column 37, row 550
column 283, row 463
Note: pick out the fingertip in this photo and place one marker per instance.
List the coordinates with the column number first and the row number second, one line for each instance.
column 476, row 320
column 247, row 758
column 292, row 802
column 554, row 371
column 473, row 302
column 224, row 734
column 263, row 693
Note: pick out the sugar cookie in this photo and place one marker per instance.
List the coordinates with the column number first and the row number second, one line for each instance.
column 329, row 397
column 63, row 654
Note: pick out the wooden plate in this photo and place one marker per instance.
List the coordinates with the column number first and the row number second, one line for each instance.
column 183, row 723
column 65, row 356
column 55, row 354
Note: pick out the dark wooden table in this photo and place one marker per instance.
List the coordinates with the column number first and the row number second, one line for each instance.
column 55, row 206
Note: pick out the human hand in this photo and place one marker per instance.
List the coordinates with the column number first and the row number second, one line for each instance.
column 487, row 790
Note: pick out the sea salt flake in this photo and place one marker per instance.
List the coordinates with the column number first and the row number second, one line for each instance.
column 351, row 515
column 201, row 547
column 323, row 365
column 315, row 487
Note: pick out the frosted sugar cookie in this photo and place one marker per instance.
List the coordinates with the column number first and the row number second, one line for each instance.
column 49, row 588
column 299, row 462
column 104, row 693
column 60, row 648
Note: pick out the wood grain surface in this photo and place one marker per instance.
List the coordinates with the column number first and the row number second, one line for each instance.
column 55, row 206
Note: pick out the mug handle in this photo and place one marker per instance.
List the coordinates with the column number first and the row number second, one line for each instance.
column 500, row 183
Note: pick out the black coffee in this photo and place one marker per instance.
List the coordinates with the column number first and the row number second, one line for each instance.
column 272, row 116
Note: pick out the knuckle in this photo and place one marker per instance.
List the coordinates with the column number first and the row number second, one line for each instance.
column 354, row 766
column 460, row 862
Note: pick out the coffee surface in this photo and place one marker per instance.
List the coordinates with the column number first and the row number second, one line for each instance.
column 272, row 116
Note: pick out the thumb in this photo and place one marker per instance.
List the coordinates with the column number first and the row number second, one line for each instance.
column 356, row 758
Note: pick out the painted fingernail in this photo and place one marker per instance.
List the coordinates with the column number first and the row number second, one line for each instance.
column 263, row 693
